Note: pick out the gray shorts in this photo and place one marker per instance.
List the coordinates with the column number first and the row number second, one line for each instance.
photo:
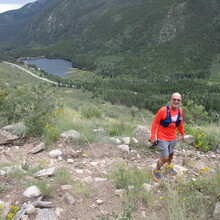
column 166, row 147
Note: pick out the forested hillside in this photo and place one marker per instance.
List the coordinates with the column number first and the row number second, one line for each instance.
column 140, row 50
column 12, row 22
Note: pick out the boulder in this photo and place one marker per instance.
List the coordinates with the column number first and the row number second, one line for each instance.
column 142, row 134
column 7, row 137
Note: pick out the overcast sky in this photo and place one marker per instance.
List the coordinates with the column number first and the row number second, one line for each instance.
column 6, row 5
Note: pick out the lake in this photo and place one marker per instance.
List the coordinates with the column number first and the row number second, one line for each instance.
column 59, row 67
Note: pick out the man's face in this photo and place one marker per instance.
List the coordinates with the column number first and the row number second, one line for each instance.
column 176, row 100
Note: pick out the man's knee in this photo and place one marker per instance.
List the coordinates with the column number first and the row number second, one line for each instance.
column 164, row 159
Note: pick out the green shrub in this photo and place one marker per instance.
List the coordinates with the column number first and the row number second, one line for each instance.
column 82, row 189
column 45, row 188
column 91, row 112
column 50, row 134
column 200, row 140
column 195, row 114
column 62, row 176
column 118, row 129
column 125, row 176
column 32, row 106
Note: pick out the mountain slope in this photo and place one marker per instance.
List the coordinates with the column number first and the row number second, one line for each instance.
column 139, row 38
column 12, row 22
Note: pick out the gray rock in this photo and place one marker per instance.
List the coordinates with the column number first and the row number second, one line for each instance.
column 55, row 153
column 32, row 191
column 38, row 148
column 16, row 129
column 69, row 198
column 99, row 202
column 46, row 214
column 126, row 140
column 135, row 140
column 189, row 139
column 123, row 147
column 216, row 213
column 7, row 137
column 72, row 134
column 120, row 192
column 45, row 172
column 2, row 172
column 142, row 134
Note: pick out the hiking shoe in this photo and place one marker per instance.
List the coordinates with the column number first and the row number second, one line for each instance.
column 171, row 170
column 156, row 175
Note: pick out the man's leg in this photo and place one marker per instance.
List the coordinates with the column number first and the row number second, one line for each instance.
column 162, row 160
column 170, row 158
column 170, row 166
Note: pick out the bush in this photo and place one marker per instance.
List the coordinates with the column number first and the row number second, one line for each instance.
column 32, row 106
column 91, row 112
column 195, row 113
column 119, row 128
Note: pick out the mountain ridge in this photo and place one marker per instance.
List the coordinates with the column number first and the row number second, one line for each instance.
column 13, row 21
column 137, row 31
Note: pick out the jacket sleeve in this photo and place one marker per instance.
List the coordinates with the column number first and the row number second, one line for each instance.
column 181, row 126
column 155, row 124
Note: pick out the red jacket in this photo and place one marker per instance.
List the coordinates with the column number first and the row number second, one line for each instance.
column 166, row 133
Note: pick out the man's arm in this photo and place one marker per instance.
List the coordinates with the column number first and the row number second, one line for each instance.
column 154, row 127
column 181, row 127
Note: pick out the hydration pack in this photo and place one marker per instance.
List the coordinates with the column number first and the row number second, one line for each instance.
column 168, row 120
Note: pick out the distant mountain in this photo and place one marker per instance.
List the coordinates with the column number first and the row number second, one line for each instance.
column 142, row 38
column 12, row 22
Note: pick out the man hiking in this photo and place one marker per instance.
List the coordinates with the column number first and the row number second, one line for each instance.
column 168, row 119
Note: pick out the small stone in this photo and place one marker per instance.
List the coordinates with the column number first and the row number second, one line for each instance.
column 70, row 160
column 119, row 192
column 69, row 198
column 99, row 202
column 55, row 153
column 123, row 147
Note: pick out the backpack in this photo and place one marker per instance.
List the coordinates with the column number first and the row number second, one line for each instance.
column 168, row 120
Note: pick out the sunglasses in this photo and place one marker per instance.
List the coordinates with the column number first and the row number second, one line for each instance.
column 178, row 100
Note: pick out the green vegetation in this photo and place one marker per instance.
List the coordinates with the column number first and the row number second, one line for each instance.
column 44, row 186
column 48, row 111
column 125, row 176
column 81, row 189
column 132, row 57
column 215, row 70
column 65, row 108
column 139, row 53
column 11, row 213
column 193, row 199
column 62, row 176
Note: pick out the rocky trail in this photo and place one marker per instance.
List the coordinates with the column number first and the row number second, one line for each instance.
column 22, row 163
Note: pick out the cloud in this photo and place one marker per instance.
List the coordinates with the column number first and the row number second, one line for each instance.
column 13, row 4
column 7, row 7
column 16, row 2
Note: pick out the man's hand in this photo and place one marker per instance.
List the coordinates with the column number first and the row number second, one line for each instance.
column 182, row 138
column 153, row 142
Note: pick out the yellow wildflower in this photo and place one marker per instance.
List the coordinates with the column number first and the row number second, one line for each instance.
column 59, row 110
